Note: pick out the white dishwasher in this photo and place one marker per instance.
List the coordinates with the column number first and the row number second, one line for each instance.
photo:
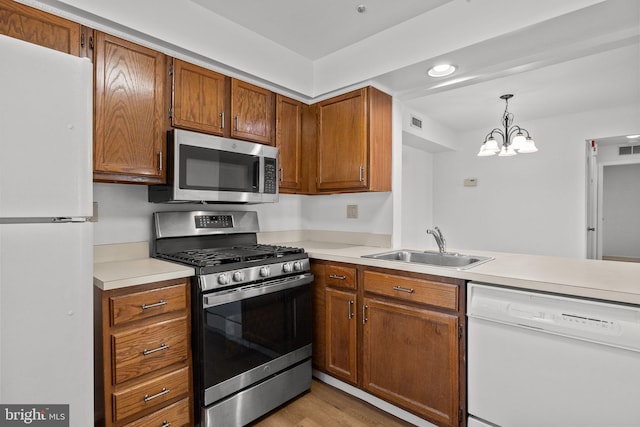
column 543, row 360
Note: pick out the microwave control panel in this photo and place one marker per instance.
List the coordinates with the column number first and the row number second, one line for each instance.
column 270, row 176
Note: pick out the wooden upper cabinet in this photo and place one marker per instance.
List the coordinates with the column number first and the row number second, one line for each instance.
column 198, row 101
column 130, row 108
column 354, row 142
column 252, row 112
column 289, row 141
column 38, row 27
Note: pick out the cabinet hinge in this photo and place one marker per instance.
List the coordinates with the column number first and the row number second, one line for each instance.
column 83, row 41
column 460, row 332
column 170, row 113
column 171, row 69
column 460, row 414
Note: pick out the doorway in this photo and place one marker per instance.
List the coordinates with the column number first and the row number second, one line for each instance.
column 613, row 201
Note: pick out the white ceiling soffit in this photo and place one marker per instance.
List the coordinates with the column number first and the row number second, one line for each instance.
column 315, row 28
column 580, row 61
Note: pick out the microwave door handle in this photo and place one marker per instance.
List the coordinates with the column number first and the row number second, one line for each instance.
column 258, row 178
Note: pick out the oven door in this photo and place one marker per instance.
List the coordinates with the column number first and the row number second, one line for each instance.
column 252, row 333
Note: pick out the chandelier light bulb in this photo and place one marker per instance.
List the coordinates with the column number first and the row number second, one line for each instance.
column 518, row 141
column 529, row 146
column 485, row 151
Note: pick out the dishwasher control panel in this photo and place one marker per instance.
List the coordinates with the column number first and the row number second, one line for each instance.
column 589, row 320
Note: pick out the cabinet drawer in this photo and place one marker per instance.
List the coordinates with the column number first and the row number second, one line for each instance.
column 342, row 276
column 150, row 394
column 176, row 415
column 146, row 349
column 142, row 305
column 410, row 289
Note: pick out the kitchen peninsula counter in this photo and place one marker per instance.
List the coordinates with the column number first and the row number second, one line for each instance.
column 605, row 280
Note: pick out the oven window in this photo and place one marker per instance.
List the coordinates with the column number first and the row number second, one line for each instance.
column 242, row 335
column 217, row 170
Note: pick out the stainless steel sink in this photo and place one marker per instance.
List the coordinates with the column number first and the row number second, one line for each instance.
column 451, row 260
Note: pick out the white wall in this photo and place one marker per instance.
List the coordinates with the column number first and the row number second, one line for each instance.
column 417, row 190
column 375, row 213
column 532, row 203
column 124, row 215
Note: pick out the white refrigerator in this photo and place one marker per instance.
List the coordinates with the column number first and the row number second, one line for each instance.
column 46, row 242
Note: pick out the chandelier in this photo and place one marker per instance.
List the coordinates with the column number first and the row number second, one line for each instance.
column 513, row 137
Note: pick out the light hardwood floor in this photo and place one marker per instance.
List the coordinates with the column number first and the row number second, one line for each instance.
column 326, row 406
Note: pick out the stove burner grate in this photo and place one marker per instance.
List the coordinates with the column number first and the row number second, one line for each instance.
column 209, row 257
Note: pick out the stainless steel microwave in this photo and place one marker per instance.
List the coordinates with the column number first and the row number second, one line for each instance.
column 208, row 168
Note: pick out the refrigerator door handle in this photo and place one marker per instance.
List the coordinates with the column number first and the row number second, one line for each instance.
column 65, row 219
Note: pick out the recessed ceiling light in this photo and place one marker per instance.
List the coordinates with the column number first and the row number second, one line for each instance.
column 441, row 70
column 633, row 136
column 361, row 8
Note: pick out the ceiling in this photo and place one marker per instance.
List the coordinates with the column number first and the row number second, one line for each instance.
column 584, row 59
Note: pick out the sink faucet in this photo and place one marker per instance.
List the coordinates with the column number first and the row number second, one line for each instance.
column 437, row 234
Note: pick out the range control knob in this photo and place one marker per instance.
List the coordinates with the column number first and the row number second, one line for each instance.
column 287, row 267
column 265, row 271
column 223, row 279
column 238, row 276
column 297, row 266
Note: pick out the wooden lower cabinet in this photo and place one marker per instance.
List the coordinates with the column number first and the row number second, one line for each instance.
column 410, row 358
column 143, row 355
column 341, row 334
column 396, row 335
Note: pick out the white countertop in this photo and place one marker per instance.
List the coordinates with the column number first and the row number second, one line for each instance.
column 124, row 265
column 120, row 274
column 128, row 264
column 607, row 280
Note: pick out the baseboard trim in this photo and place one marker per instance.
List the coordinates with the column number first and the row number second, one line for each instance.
column 373, row 400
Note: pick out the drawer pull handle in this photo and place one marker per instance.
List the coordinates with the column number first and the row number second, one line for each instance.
column 364, row 314
column 333, row 276
column 165, row 423
column 162, row 393
column 158, row 304
column 162, row 347
column 401, row 289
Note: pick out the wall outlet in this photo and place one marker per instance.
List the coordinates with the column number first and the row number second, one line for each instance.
column 471, row 182
column 352, row 211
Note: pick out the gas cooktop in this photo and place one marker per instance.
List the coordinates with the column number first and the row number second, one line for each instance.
column 209, row 257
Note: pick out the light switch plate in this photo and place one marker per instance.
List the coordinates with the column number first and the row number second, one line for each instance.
column 352, row 211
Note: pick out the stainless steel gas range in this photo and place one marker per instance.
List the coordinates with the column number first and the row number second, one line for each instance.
column 251, row 314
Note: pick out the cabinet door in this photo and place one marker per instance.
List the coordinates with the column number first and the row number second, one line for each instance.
column 130, row 120
column 342, row 142
column 411, row 359
column 198, row 98
column 289, row 141
column 252, row 111
column 341, row 334
column 38, row 27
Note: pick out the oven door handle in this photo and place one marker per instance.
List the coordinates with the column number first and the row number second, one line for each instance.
column 263, row 288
